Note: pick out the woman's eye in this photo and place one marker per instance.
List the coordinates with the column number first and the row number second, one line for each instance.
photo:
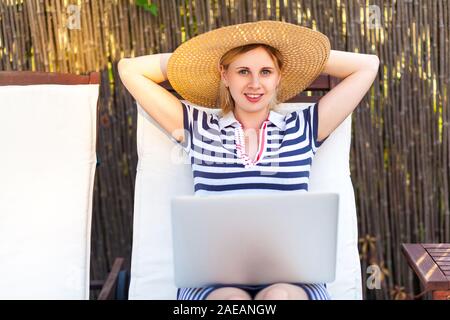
column 268, row 71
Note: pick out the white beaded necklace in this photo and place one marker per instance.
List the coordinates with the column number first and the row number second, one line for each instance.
column 240, row 145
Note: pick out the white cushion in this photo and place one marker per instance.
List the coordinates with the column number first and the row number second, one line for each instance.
column 164, row 171
column 47, row 168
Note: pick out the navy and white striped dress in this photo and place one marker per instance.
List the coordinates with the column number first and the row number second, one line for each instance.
column 216, row 148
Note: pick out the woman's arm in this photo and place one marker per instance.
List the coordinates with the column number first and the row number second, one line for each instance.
column 358, row 72
column 141, row 76
column 153, row 67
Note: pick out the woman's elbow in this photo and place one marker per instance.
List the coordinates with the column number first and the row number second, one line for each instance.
column 374, row 62
column 122, row 66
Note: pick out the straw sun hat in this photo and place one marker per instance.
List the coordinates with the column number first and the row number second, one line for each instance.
column 193, row 68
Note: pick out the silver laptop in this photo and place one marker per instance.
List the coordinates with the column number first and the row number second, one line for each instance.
column 254, row 239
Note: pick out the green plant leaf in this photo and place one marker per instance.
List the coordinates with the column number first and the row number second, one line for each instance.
column 141, row 2
column 152, row 8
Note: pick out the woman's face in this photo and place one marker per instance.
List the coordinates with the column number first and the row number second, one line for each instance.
column 252, row 72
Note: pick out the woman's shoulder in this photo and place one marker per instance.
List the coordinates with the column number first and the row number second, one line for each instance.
column 300, row 113
column 196, row 113
column 206, row 110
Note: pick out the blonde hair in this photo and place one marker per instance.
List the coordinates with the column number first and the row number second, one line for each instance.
column 224, row 100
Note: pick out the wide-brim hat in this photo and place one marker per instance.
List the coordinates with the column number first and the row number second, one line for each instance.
column 193, row 68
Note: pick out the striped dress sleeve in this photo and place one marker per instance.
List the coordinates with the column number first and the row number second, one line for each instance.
column 191, row 116
column 311, row 115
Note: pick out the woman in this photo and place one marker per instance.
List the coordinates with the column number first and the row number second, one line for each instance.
column 246, row 70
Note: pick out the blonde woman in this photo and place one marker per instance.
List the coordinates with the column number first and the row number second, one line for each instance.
column 246, row 70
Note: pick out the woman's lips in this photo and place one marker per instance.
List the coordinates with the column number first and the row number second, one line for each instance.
column 253, row 99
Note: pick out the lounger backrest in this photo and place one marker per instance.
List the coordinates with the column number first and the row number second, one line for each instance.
column 47, row 168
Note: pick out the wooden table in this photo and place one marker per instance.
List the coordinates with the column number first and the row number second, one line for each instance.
column 431, row 263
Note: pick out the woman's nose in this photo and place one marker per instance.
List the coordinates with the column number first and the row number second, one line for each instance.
column 254, row 81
